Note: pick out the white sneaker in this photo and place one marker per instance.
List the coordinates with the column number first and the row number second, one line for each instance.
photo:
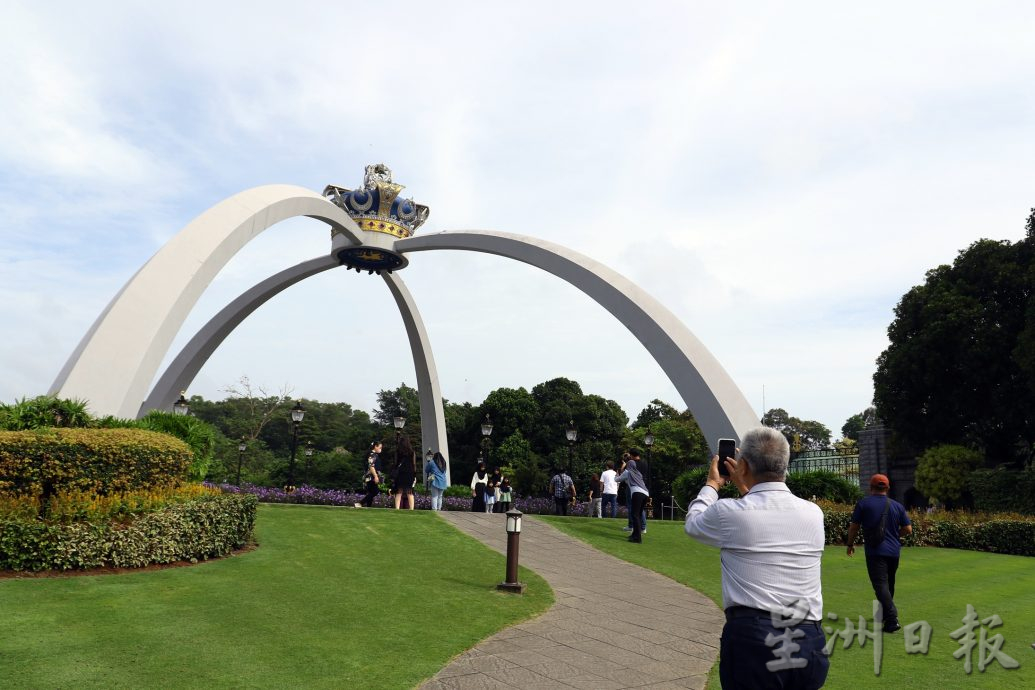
column 627, row 528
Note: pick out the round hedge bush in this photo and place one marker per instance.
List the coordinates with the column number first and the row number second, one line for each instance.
column 98, row 460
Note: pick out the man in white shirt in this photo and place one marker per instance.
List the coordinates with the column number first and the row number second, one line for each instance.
column 610, row 492
column 772, row 543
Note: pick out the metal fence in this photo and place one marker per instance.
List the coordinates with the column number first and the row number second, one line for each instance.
column 829, row 459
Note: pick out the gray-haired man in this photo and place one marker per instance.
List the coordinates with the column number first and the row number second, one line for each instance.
column 772, row 543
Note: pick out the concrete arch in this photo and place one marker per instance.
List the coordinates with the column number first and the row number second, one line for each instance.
column 118, row 357
column 182, row 370
column 720, row 408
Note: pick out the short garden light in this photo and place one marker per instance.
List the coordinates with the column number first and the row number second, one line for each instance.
column 513, row 540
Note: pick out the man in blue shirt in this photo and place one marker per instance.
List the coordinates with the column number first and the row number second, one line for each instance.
column 884, row 522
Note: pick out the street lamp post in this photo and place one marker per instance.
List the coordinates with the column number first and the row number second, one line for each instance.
column 308, row 459
column 181, row 406
column 648, row 440
column 398, row 423
column 572, row 434
column 241, row 447
column 297, row 413
column 486, row 441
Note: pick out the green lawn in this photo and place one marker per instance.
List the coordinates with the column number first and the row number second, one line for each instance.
column 933, row 585
column 332, row 598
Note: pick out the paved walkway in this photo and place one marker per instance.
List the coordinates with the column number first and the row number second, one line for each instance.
column 614, row 624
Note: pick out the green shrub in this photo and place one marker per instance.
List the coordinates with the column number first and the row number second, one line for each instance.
column 199, row 435
column 206, row 527
column 686, row 486
column 98, row 460
column 457, row 491
column 997, row 533
column 1003, row 490
column 823, row 484
column 943, row 472
column 43, row 411
column 819, row 483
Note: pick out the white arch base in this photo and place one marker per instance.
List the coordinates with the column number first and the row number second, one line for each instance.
column 720, row 408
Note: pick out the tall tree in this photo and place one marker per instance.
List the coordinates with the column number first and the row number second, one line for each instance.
column 960, row 368
column 856, row 423
column 801, row 434
column 679, row 444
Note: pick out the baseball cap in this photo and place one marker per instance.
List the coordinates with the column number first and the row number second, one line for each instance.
column 879, row 481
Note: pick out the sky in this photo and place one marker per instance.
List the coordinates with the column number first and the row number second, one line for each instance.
column 777, row 176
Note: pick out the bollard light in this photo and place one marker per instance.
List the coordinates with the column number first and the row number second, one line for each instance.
column 513, row 521
column 513, row 539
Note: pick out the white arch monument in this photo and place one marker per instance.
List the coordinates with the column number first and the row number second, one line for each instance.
column 371, row 230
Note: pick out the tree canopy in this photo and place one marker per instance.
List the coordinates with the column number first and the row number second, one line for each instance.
column 960, row 367
column 802, row 434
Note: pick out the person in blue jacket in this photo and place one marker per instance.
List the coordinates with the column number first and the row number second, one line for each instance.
column 435, row 478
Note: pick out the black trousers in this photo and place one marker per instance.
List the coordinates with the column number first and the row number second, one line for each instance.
column 752, row 656
column 368, row 498
column 638, row 501
column 882, row 571
column 560, row 506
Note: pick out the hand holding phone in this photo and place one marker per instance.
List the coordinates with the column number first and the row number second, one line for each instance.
column 727, row 449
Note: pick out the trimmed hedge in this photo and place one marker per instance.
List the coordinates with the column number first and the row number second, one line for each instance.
column 1003, row 490
column 819, row 483
column 998, row 533
column 207, row 527
column 98, row 460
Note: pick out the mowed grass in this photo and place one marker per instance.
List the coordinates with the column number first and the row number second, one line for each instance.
column 332, row 598
column 933, row 585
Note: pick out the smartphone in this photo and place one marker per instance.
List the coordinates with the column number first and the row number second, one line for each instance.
column 727, row 449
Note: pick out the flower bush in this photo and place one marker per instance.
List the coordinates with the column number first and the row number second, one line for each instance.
column 308, row 495
column 206, row 526
column 88, row 506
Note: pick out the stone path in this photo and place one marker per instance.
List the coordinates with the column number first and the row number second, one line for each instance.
column 614, row 624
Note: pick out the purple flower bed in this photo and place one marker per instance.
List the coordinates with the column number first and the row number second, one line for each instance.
column 309, row 495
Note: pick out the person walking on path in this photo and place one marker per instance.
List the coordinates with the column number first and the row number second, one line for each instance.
column 632, row 475
column 405, row 473
column 595, row 492
column 562, row 488
column 372, row 477
column 884, row 522
column 610, row 492
column 771, row 542
column 478, row 483
column 435, row 478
